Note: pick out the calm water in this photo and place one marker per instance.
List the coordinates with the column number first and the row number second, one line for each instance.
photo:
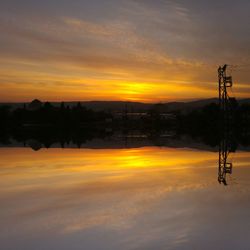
column 147, row 198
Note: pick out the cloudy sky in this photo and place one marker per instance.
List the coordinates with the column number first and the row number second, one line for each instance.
column 136, row 50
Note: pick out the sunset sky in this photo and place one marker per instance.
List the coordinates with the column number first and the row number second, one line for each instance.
column 134, row 50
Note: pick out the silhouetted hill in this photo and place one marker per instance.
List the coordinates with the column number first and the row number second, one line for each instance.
column 120, row 106
column 113, row 106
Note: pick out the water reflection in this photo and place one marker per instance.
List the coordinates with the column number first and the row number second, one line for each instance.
column 225, row 166
column 144, row 198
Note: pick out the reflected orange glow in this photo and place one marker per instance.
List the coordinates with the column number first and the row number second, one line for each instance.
column 106, row 159
column 68, row 191
column 90, row 165
column 48, row 166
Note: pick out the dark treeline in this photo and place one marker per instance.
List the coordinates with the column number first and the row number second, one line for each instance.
column 48, row 115
column 200, row 119
column 49, row 124
column 207, row 123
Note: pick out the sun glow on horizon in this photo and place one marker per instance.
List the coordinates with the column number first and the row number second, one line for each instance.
column 82, row 54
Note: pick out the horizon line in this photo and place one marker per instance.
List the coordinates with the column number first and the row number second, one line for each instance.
column 128, row 101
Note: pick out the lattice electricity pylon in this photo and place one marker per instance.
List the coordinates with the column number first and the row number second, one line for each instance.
column 225, row 167
column 225, row 146
column 225, row 82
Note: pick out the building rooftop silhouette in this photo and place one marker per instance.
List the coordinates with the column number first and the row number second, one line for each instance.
column 35, row 105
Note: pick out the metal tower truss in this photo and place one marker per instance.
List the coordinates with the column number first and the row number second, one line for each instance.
column 225, row 147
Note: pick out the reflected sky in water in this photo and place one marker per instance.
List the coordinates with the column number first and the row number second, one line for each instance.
column 147, row 198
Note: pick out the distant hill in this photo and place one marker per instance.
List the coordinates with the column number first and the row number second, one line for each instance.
column 121, row 106
column 188, row 106
column 113, row 106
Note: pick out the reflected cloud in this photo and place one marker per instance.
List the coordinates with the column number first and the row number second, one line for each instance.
column 144, row 197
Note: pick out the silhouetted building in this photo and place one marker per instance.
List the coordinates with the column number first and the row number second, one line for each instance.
column 35, row 105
